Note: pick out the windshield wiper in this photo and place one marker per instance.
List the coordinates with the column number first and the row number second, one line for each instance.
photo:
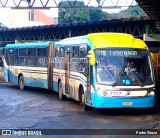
column 118, row 77
column 140, row 83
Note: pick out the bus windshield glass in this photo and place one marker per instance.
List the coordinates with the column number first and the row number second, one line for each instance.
column 122, row 67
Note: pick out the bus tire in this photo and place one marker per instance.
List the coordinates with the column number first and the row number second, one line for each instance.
column 82, row 100
column 60, row 91
column 86, row 107
column 21, row 82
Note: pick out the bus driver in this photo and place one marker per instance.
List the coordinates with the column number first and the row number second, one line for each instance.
column 130, row 68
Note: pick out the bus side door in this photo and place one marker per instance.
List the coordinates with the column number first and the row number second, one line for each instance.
column 51, row 55
column 74, row 73
column 67, row 70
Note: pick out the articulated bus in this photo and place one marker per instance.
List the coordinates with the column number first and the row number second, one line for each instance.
column 90, row 69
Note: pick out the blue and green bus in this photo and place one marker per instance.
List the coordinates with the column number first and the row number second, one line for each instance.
column 89, row 69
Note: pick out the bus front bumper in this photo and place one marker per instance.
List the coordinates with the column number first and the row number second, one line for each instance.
column 110, row 102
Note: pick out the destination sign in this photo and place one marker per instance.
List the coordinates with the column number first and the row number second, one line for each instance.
column 123, row 52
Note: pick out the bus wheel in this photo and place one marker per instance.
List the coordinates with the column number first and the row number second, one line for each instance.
column 60, row 91
column 21, row 82
column 86, row 107
column 82, row 100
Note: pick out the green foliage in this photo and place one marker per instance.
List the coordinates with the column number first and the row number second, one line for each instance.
column 96, row 14
column 68, row 15
column 2, row 25
column 81, row 14
column 72, row 15
column 135, row 11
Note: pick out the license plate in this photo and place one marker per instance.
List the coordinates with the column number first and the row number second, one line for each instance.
column 127, row 103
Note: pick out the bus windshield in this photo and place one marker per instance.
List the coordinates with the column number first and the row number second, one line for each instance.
column 122, row 67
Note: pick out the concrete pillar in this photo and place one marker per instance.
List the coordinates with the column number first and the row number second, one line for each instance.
column 155, row 37
column 69, row 33
column 17, row 41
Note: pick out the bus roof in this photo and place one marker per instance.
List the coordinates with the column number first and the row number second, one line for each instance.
column 28, row 45
column 95, row 40
column 104, row 40
column 72, row 41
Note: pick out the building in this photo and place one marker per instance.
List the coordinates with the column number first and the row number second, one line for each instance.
column 43, row 16
column 13, row 18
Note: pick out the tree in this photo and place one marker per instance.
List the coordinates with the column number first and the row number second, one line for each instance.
column 135, row 11
column 98, row 14
column 72, row 15
column 2, row 25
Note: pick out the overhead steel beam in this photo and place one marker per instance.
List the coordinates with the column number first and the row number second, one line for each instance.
column 152, row 10
column 25, row 4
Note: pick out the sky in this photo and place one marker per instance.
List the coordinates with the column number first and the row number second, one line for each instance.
column 7, row 15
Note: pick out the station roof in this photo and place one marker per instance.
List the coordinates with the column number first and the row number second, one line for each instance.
column 152, row 8
column 121, row 22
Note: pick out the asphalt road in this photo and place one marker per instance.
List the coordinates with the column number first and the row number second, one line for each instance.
column 41, row 109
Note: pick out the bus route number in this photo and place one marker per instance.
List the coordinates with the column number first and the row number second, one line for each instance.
column 114, row 93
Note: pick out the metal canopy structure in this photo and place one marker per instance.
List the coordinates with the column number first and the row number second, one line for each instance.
column 134, row 26
column 72, row 3
column 152, row 8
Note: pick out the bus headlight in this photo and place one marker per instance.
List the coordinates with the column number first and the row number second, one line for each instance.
column 101, row 93
column 151, row 93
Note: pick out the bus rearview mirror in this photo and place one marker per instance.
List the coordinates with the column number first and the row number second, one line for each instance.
column 92, row 57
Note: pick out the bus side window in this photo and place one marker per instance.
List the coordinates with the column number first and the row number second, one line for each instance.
column 83, row 57
column 41, row 57
column 82, row 61
column 57, row 53
column 15, row 57
column 74, row 58
column 22, row 57
column 11, row 55
column 31, row 57
column 62, row 58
